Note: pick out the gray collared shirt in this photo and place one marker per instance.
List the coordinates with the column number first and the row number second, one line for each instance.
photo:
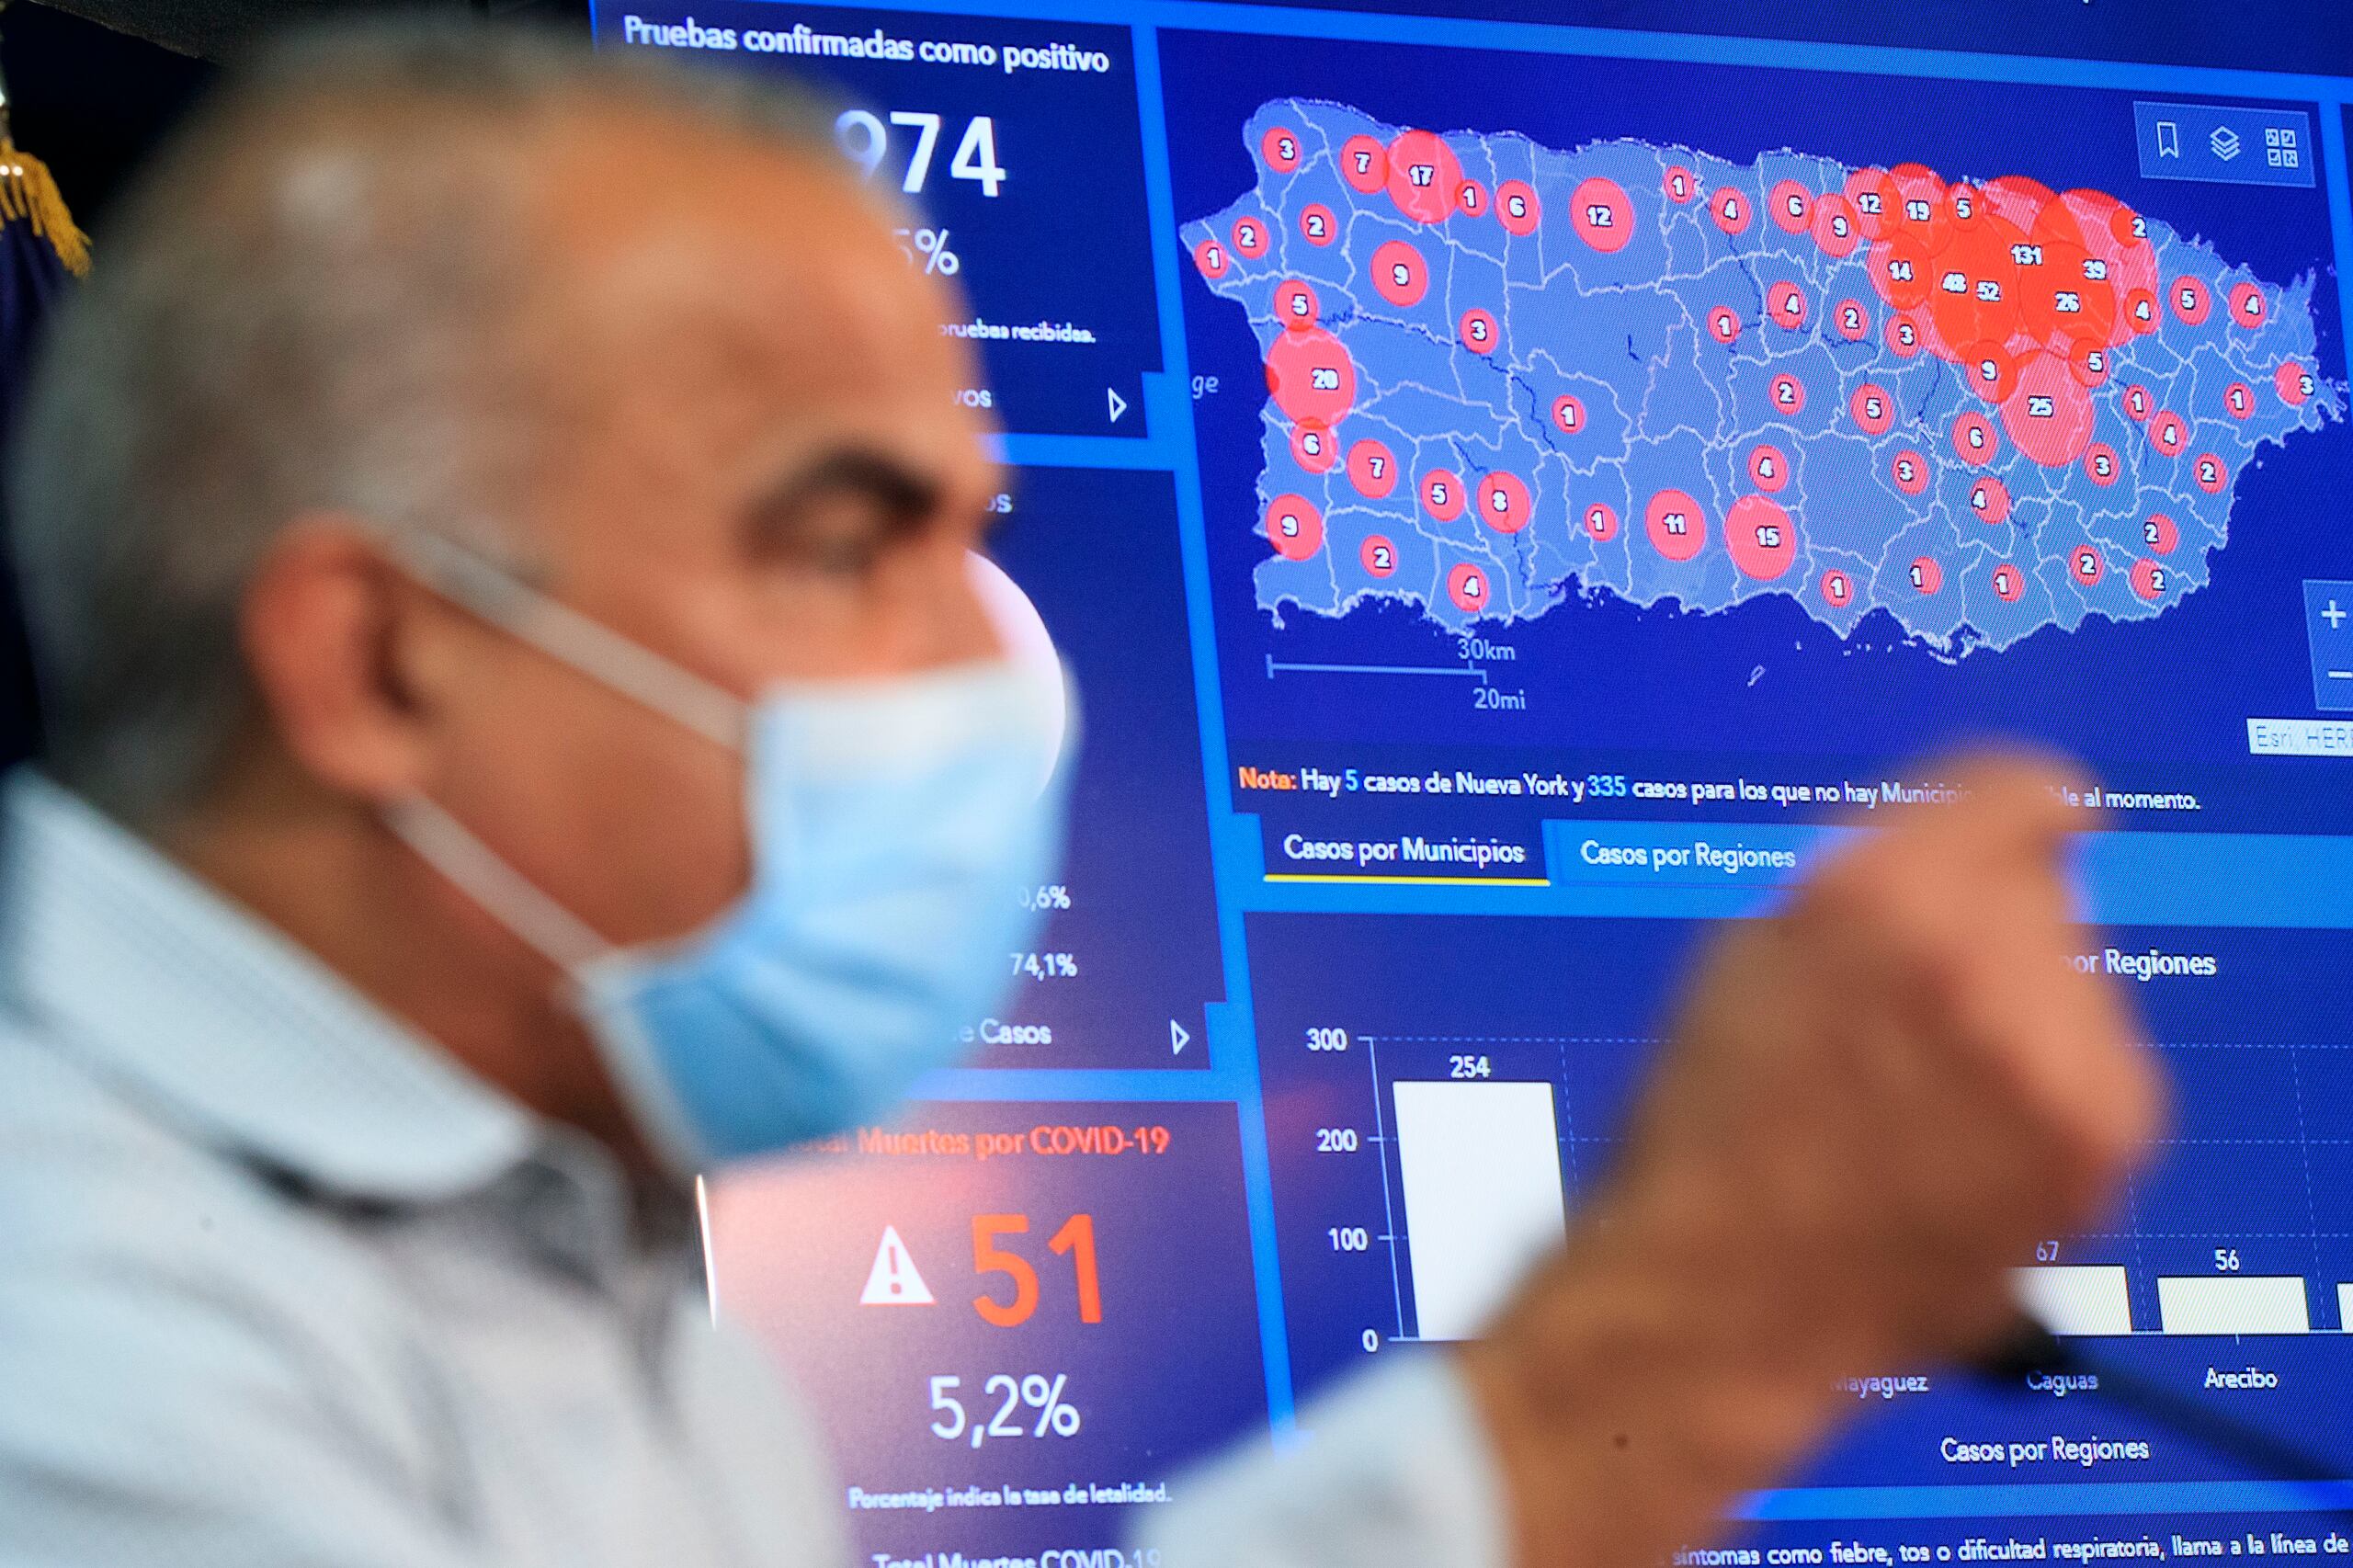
column 281, row 1286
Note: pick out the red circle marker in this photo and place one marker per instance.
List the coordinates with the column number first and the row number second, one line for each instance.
column 1791, row 206
column 2190, row 301
column 1466, row 586
column 1989, row 500
column 1836, row 229
column 1516, row 207
column 1768, row 467
column 1787, row 393
column 2150, row 580
column 1910, row 471
column 1602, row 214
column 1378, row 555
column 1872, row 408
column 2212, row 474
column 1837, row 589
column 2158, row 532
column 1927, row 574
column 1992, row 372
column 1478, row 331
column 1900, row 270
column 1679, row 529
column 1904, row 336
column 1311, row 376
column 2089, row 363
column 1682, row 186
column 2009, row 584
column 1723, row 325
column 1879, row 204
column 2101, row 465
column 1250, row 237
column 1210, row 258
column 2085, row 565
column 1973, row 440
column 2247, row 306
column 2139, row 403
column 1441, row 495
column 1317, row 226
column 1760, row 537
column 1372, row 469
column 1295, row 305
column 2293, row 383
column 1601, row 521
column 1294, row 527
column 1568, row 414
column 1785, row 305
column 1399, row 274
column 1279, row 147
column 1423, row 175
column 1730, row 208
column 2141, row 310
column 1313, row 447
column 2239, row 399
column 1503, row 502
column 1471, row 200
column 1853, row 318
column 2049, row 417
column 2168, row 434
column 1364, row 164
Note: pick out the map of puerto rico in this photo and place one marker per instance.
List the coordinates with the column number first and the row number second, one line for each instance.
column 1499, row 374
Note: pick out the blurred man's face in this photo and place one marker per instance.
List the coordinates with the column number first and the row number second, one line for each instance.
column 762, row 471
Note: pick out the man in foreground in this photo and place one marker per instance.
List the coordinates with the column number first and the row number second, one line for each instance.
column 496, row 534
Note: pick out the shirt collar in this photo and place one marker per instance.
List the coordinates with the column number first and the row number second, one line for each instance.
column 159, row 982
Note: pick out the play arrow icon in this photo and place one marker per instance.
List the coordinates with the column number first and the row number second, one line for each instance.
column 1178, row 1037
column 1117, row 404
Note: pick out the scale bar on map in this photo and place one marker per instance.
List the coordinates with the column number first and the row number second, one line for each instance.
column 2072, row 1300
column 1275, row 666
column 2234, row 1303
column 1480, row 1165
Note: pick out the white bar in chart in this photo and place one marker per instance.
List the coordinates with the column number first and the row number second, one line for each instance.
column 2345, row 1307
column 1480, row 1163
column 2075, row 1298
column 2234, row 1303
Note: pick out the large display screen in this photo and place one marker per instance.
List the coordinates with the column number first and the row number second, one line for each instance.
column 1511, row 494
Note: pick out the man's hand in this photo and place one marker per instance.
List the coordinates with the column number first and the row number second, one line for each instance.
column 1874, row 1106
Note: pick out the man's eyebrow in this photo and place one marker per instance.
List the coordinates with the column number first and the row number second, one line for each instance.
column 903, row 494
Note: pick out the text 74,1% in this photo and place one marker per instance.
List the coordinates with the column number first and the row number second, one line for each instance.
column 1004, row 1409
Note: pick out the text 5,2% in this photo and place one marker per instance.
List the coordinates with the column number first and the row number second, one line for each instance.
column 1029, row 1407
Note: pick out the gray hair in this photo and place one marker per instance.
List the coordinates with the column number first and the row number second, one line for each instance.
column 300, row 309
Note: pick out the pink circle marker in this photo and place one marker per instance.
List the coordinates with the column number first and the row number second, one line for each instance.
column 2101, row 465
column 1768, row 467
column 1602, row 214
column 2048, row 416
column 1874, row 409
column 1311, row 376
column 1785, row 305
column 1853, row 318
column 1731, row 209
column 2212, row 474
column 2009, row 584
column 1973, row 440
column 1478, row 331
column 1423, row 177
column 2190, row 301
column 2085, row 565
column 1910, row 471
column 2150, row 580
column 1677, row 528
column 2139, row 403
column 1378, row 555
column 1788, row 396
column 1466, row 586
column 2168, row 434
column 1294, row 527
column 2293, row 383
column 1295, row 305
column 1503, row 502
column 2247, row 307
column 1210, row 258
column 1568, row 414
column 1279, row 147
column 1317, row 226
column 1989, row 500
column 1372, row 469
column 1364, row 165
column 1399, row 274
column 1682, row 186
column 1516, row 207
column 1836, row 229
column 1927, row 574
column 1250, row 237
column 1760, row 537
column 1471, row 200
column 1837, row 589
column 1903, row 335
column 1313, row 447
column 1791, row 206
column 1442, row 495
column 1723, row 325
column 1601, row 522
column 2158, row 532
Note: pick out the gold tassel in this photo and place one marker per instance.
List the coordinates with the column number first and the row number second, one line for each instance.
column 29, row 190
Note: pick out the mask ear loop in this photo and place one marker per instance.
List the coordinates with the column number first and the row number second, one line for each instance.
column 545, row 926
column 476, row 583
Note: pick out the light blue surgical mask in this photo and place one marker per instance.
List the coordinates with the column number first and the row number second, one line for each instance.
column 894, row 825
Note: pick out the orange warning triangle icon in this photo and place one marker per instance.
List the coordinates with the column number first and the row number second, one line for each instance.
column 894, row 1281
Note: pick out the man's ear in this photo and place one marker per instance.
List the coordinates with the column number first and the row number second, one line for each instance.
column 331, row 629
